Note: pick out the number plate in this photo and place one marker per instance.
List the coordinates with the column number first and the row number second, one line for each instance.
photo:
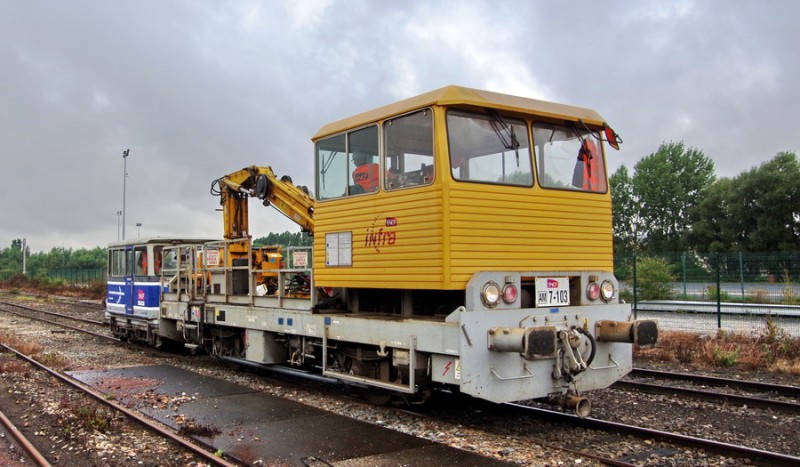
column 552, row 291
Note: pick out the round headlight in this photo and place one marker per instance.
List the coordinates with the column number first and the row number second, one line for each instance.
column 510, row 293
column 593, row 291
column 607, row 290
column 490, row 294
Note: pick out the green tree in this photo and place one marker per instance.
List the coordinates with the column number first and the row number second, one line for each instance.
column 765, row 205
column 285, row 239
column 756, row 211
column 668, row 183
column 11, row 258
column 711, row 229
column 88, row 259
column 625, row 213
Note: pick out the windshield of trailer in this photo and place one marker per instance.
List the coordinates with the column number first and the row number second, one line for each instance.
column 488, row 148
column 569, row 158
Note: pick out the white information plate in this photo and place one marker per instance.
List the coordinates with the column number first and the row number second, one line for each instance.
column 552, row 291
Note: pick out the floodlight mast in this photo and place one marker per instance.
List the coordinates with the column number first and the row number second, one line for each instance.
column 125, row 154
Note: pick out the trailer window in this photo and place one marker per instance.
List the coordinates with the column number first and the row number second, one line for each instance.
column 408, row 159
column 157, row 259
column 140, row 261
column 569, row 158
column 488, row 148
column 116, row 263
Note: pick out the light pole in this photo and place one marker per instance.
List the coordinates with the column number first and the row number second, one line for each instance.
column 138, row 229
column 124, row 180
column 119, row 213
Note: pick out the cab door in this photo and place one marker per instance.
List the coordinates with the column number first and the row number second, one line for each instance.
column 129, row 289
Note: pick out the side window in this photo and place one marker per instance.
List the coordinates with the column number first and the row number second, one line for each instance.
column 487, row 148
column 365, row 169
column 569, row 158
column 332, row 167
column 347, row 163
column 140, row 261
column 408, row 159
column 116, row 263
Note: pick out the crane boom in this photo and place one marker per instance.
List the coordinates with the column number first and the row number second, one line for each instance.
column 261, row 182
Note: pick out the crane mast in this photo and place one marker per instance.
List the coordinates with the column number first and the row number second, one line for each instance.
column 234, row 190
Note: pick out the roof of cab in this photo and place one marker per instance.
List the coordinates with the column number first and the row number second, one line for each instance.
column 451, row 95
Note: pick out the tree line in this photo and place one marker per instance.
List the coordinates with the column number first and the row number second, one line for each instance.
column 58, row 258
column 674, row 202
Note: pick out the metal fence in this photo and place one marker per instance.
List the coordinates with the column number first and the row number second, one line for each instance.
column 71, row 276
column 76, row 276
column 750, row 293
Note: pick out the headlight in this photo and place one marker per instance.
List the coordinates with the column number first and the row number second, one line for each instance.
column 510, row 293
column 607, row 290
column 490, row 294
column 593, row 291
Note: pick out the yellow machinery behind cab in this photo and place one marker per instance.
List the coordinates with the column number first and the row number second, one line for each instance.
column 234, row 190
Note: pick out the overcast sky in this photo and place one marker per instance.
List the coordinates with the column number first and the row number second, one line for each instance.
column 198, row 89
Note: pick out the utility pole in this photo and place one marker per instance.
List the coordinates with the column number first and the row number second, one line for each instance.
column 24, row 263
column 125, row 154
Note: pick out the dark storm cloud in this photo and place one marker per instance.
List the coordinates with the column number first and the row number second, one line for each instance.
column 199, row 89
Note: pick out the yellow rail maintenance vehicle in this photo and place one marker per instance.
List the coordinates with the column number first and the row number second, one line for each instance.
column 462, row 240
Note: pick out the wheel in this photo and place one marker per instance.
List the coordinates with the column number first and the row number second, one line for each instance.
column 377, row 396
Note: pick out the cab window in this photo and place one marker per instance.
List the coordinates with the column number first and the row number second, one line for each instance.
column 408, row 158
column 569, row 158
column 348, row 163
column 140, row 261
column 488, row 148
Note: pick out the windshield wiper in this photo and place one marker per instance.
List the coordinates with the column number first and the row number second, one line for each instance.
column 501, row 129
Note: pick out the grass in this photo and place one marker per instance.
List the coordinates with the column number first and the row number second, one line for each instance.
column 772, row 350
column 17, row 283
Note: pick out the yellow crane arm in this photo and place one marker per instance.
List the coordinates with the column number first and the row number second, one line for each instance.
column 261, row 182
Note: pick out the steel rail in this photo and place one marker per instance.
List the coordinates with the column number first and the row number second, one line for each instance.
column 710, row 396
column 23, row 442
column 788, row 391
column 200, row 450
column 729, row 450
column 85, row 331
column 85, row 320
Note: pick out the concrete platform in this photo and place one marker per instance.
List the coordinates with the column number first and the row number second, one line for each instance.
column 253, row 426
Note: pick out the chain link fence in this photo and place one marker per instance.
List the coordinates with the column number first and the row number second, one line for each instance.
column 749, row 293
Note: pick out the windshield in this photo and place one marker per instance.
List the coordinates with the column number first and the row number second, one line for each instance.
column 569, row 158
column 485, row 147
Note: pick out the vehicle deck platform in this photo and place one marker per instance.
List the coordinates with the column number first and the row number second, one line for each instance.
column 260, row 428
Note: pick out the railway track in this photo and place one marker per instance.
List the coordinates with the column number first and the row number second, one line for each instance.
column 48, row 317
column 751, row 455
column 759, row 395
column 676, row 440
column 199, row 450
column 28, row 449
